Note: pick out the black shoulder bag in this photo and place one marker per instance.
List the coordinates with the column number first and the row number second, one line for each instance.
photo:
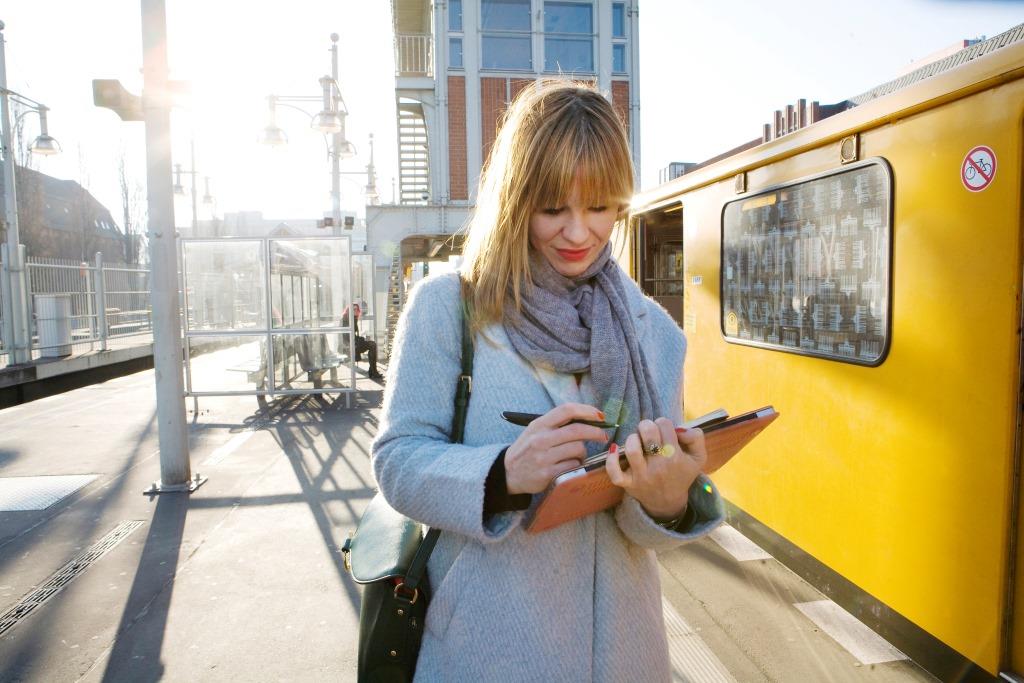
column 388, row 555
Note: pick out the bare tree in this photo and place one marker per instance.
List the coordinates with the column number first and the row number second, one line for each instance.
column 84, row 213
column 133, row 211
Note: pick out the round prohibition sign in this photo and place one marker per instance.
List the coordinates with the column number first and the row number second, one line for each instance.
column 978, row 169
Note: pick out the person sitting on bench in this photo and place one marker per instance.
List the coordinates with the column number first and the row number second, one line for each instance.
column 362, row 343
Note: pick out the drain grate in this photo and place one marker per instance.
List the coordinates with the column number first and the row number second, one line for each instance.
column 18, row 494
column 65, row 575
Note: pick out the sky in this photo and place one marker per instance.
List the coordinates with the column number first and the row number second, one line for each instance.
column 711, row 73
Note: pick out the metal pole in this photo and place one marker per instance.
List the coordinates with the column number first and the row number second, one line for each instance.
column 90, row 303
column 101, row 304
column 25, row 283
column 17, row 341
column 175, row 470
column 336, row 140
column 5, row 301
column 195, row 212
column 337, row 304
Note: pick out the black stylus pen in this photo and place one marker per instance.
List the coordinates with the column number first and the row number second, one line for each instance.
column 523, row 419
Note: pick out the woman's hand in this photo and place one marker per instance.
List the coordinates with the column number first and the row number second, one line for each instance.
column 659, row 481
column 549, row 446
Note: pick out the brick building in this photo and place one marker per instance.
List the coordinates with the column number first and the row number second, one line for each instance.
column 458, row 64
column 61, row 219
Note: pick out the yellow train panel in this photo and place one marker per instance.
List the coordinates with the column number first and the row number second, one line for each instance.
column 898, row 477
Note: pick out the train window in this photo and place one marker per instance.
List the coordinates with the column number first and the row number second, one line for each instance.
column 805, row 267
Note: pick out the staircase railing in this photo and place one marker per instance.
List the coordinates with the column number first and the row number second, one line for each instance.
column 395, row 300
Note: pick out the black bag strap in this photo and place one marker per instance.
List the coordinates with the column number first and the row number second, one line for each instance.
column 463, row 390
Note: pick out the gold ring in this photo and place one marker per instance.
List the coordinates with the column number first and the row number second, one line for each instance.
column 653, row 449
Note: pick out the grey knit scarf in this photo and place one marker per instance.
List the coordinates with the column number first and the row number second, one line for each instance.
column 583, row 323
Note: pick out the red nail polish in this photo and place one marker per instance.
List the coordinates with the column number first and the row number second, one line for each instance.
column 681, row 430
column 600, row 415
column 614, row 448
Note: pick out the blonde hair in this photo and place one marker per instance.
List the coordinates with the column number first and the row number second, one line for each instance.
column 555, row 136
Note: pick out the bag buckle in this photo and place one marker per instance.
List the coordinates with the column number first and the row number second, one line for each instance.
column 415, row 593
column 346, row 552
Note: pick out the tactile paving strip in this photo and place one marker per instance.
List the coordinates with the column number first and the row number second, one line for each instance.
column 38, row 493
column 692, row 660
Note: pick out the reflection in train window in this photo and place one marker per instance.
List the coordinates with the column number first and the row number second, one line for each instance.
column 805, row 268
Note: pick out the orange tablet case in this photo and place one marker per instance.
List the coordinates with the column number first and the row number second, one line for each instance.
column 584, row 491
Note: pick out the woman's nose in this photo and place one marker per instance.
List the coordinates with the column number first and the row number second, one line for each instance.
column 575, row 229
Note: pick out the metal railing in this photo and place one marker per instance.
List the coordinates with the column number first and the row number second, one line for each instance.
column 414, row 55
column 4, row 352
column 78, row 306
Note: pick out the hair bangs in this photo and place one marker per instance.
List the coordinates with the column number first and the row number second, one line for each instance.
column 586, row 154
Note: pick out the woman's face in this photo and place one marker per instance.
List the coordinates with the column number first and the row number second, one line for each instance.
column 572, row 236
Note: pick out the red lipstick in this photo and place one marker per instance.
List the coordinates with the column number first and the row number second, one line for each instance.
column 573, row 254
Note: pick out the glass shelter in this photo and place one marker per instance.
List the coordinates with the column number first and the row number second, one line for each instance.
column 269, row 316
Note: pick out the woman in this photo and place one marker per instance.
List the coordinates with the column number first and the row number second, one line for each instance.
column 560, row 330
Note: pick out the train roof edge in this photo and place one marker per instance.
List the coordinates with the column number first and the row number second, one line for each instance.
column 999, row 57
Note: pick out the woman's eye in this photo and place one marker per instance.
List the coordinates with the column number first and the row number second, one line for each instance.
column 599, row 209
column 551, row 211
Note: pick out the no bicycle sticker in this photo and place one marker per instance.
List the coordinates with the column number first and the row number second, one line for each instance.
column 978, row 169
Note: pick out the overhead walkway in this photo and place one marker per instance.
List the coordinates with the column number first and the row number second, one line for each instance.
column 243, row 580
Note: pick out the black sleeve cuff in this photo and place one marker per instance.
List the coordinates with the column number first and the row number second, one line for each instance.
column 496, row 496
column 683, row 523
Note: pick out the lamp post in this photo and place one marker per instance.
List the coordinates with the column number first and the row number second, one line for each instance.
column 175, row 464
column 330, row 120
column 16, row 335
column 154, row 107
column 179, row 190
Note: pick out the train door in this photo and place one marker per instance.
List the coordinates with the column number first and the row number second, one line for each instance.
column 658, row 257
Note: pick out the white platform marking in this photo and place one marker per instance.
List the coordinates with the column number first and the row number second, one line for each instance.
column 860, row 641
column 18, row 494
column 738, row 545
column 692, row 660
column 227, row 449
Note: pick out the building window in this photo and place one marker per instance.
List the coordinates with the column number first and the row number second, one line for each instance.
column 805, row 268
column 618, row 20
column 619, row 58
column 569, row 36
column 455, row 53
column 505, row 34
column 455, row 16
column 619, row 37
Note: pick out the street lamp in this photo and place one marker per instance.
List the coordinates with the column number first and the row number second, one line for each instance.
column 179, row 189
column 207, row 197
column 372, row 196
column 273, row 135
column 16, row 324
column 330, row 121
column 44, row 144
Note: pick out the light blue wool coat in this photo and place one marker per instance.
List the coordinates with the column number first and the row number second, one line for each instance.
column 581, row 602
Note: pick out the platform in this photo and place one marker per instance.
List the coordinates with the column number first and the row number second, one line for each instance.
column 243, row 580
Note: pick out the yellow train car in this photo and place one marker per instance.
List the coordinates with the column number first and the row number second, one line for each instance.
column 863, row 274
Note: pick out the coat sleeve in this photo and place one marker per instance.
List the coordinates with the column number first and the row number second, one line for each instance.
column 634, row 522
column 641, row 529
column 419, row 471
